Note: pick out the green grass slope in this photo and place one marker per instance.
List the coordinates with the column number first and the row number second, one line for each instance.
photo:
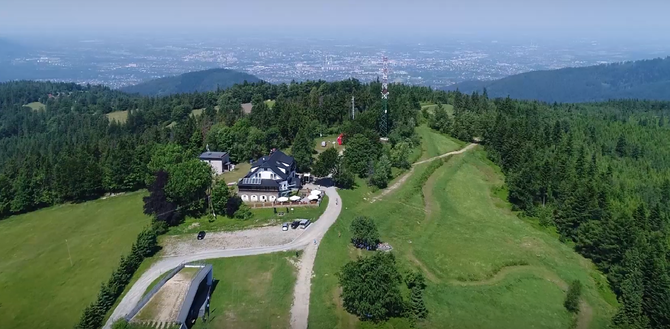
column 434, row 143
column 485, row 267
column 252, row 292
column 39, row 288
column 207, row 80
column 646, row 79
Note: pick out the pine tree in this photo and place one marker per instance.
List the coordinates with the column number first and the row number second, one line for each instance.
column 631, row 314
column 417, row 305
column 302, row 150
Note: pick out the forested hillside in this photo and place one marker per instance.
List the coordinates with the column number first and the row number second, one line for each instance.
column 598, row 173
column 200, row 81
column 70, row 151
column 646, row 79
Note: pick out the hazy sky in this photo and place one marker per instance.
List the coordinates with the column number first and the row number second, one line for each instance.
column 599, row 17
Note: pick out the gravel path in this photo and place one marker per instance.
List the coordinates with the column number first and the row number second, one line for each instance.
column 183, row 245
column 314, row 231
column 303, row 287
column 404, row 177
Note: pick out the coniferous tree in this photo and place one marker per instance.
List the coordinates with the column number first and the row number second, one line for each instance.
column 303, row 147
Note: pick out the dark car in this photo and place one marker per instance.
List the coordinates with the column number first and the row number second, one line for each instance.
column 295, row 224
column 201, row 235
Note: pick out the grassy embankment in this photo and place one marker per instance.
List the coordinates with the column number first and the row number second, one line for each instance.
column 485, row 267
column 252, row 292
column 39, row 287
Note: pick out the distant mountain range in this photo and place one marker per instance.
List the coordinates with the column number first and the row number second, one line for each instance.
column 645, row 79
column 207, row 80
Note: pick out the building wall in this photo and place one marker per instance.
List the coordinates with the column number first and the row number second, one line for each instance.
column 217, row 165
column 257, row 196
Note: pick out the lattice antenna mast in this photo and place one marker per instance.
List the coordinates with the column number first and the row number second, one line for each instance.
column 353, row 108
column 383, row 129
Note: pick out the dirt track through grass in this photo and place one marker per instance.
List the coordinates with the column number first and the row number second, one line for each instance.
column 585, row 310
column 469, row 248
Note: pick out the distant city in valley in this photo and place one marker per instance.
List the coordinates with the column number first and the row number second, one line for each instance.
column 123, row 62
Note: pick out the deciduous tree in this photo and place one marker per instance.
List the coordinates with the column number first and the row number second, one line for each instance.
column 370, row 287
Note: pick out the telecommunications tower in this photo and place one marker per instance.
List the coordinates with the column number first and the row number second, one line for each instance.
column 383, row 129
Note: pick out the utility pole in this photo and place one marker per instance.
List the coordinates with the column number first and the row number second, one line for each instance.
column 353, row 108
column 68, row 253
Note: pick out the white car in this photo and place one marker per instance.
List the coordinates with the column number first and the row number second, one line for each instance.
column 284, row 227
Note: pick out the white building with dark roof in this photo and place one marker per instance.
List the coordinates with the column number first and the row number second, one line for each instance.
column 270, row 177
column 219, row 161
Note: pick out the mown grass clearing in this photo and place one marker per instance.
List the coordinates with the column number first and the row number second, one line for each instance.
column 270, row 103
column 197, row 113
column 241, row 169
column 39, row 287
column 252, row 292
column 36, row 106
column 431, row 108
column 461, row 240
column 262, row 217
column 118, row 116
column 331, row 141
column 433, row 143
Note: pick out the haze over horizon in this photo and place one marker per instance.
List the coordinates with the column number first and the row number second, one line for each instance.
column 512, row 18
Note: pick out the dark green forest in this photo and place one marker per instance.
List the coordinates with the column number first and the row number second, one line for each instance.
column 200, row 81
column 646, row 79
column 71, row 152
column 596, row 172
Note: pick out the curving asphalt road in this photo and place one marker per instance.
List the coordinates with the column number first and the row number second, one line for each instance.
column 314, row 231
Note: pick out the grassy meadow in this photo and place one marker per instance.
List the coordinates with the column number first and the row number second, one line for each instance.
column 430, row 107
column 36, row 106
column 39, row 287
column 485, row 267
column 118, row 116
column 434, row 143
column 252, row 292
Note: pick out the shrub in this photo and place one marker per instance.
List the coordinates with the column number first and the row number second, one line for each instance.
column 572, row 298
column 243, row 213
column 364, row 233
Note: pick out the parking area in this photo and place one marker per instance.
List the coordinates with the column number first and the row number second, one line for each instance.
column 258, row 237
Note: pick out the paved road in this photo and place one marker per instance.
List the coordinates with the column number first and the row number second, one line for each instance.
column 314, row 231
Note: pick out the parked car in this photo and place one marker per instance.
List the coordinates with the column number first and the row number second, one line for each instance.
column 304, row 223
column 284, row 227
column 201, row 235
column 295, row 224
